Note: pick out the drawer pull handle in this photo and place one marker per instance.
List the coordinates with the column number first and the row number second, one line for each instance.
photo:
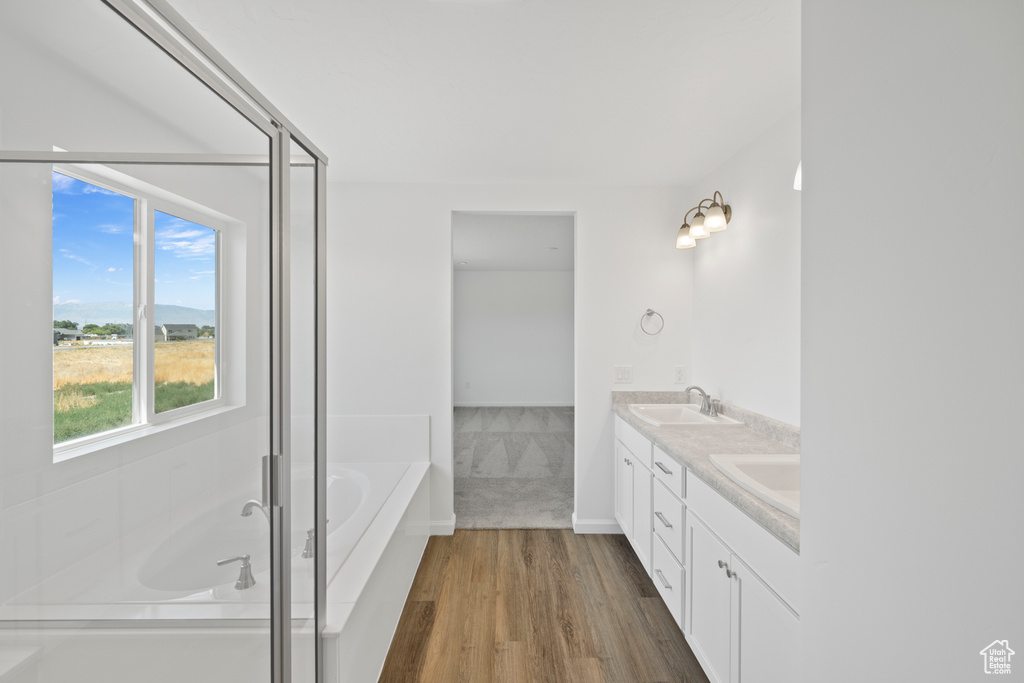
column 664, row 581
column 663, row 519
column 663, row 468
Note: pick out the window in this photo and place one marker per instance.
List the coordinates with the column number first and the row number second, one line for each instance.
column 185, row 292
column 136, row 290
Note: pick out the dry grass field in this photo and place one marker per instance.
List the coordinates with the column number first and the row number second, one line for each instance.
column 184, row 361
column 92, row 385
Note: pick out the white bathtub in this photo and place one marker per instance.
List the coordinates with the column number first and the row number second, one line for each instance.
column 155, row 603
column 178, row 578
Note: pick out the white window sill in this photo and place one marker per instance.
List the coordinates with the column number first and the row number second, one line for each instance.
column 116, row 437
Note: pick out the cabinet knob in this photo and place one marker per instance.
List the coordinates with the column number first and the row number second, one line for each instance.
column 721, row 564
column 731, row 574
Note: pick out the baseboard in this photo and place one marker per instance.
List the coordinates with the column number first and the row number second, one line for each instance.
column 595, row 526
column 442, row 527
column 515, row 404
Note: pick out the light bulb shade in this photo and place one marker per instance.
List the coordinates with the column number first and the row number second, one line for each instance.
column 697, row 229
column 715, row 221
column 683, row 239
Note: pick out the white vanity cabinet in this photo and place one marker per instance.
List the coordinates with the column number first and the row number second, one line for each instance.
column 738, row 623
column 633, row 489
column 731, row 585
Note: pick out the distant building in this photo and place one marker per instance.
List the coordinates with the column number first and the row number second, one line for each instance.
column 60, row 334
column 176, row 332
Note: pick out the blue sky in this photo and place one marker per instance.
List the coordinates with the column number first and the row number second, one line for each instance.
column 92, row 250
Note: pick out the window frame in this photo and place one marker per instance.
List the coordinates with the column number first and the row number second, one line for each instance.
column 147, row 200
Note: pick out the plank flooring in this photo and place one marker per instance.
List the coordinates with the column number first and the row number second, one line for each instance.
column 536, row 605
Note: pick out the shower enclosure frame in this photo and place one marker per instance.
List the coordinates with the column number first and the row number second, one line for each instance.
column 159, row 22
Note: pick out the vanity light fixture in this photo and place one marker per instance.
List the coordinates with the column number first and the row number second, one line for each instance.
column 715, row 220
column 683, row 239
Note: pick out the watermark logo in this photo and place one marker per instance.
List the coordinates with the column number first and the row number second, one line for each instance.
column 997, row 657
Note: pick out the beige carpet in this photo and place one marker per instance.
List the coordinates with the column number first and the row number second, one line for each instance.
column 513, row 468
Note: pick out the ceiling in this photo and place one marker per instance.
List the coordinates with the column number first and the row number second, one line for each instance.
column 517, row 91
column 491, row 241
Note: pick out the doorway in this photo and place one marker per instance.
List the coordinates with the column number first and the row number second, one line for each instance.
column 513, row 369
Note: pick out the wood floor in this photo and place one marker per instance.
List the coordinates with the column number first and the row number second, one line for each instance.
column 521, row 605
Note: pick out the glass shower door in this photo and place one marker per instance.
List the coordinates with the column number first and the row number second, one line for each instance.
column 143, row 537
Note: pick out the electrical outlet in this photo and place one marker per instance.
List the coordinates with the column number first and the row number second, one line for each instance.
column 680, row 376
column 623, row 374
column 467, row 385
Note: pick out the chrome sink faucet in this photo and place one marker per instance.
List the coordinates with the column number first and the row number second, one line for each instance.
column 249, row 505
column 707, row 404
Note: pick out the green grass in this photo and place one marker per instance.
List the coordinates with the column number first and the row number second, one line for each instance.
column 102, row 406
column 171, row 395
column 110, row 407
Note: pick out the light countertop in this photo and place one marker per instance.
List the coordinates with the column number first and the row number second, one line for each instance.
column 692, row 446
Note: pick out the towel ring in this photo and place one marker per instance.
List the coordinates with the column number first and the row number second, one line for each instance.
column 650, row 313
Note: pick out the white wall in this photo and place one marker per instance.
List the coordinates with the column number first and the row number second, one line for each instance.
column 913, row 444
column 390, row 318
column 513, row 338
column 746, row 284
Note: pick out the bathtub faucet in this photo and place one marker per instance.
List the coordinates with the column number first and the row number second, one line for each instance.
column 245, row 579
column 249, row 505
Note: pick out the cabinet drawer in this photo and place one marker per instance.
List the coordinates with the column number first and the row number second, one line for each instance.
column 668, row 577
column 670, row 473
column 668, row 521
column 637, row 443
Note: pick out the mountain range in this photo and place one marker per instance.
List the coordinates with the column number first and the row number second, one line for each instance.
column 121, row 312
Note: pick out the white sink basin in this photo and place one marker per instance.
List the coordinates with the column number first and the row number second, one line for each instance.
column 775, row 479
column 659, row 414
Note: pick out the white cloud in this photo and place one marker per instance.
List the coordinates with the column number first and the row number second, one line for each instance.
column 74, row 257
column 73, row 301
column 56, row 299
column 111, row 269
column 181, row 234
column 93, row 189
column 192, row 245
column 113, row 228
column 63, row 184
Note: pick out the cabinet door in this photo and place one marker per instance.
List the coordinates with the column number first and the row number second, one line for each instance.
column 767, row 636
column 643, row 530
column 708, row 600
column 624, row 489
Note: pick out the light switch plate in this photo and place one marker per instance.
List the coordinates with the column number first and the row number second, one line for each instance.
column 623, row 374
